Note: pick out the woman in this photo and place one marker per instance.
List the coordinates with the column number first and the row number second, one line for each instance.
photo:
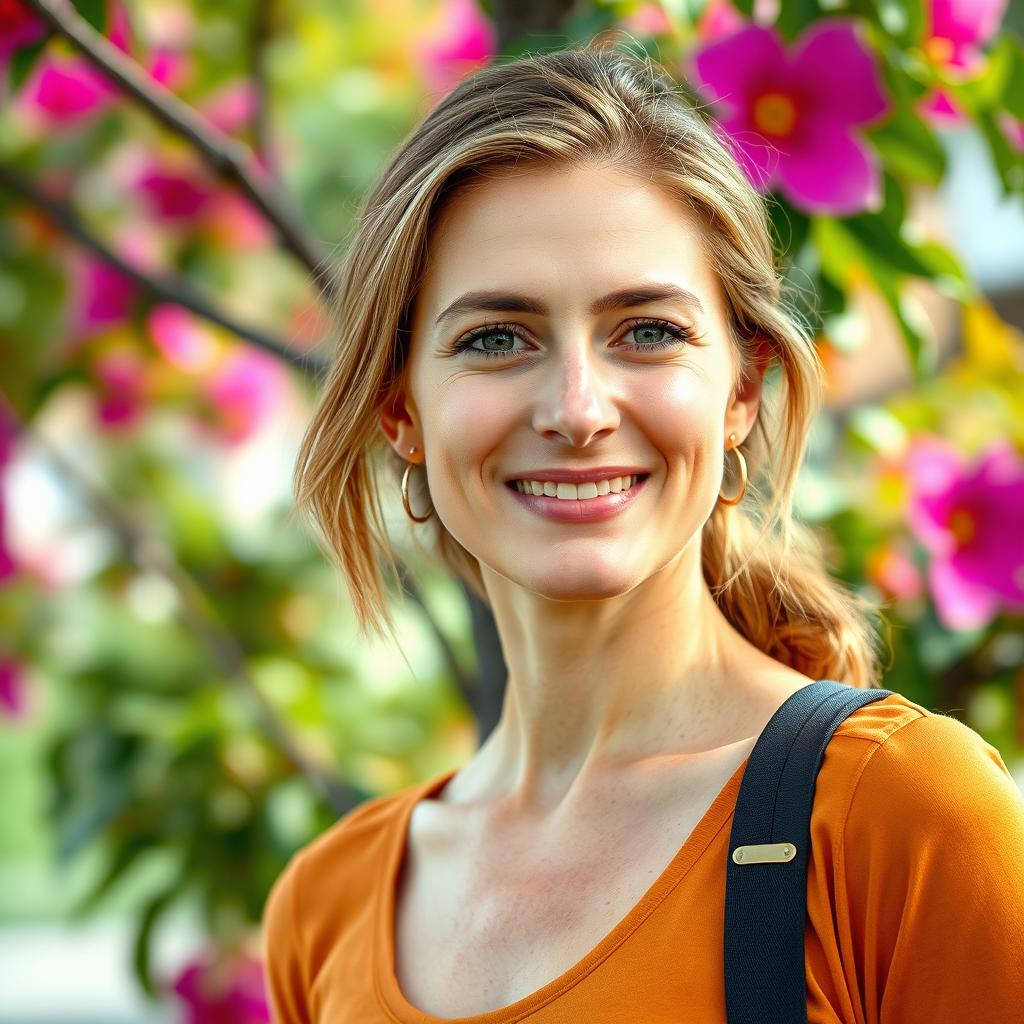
column 560, row 310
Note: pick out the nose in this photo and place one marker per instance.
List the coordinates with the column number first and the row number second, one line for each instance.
column 575, row 400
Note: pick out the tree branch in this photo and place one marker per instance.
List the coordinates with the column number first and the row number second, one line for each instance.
column 168, row 288
column 148, row 553
column 229, row 158
column 176, row 290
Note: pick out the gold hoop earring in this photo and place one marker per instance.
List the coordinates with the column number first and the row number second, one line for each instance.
column 405, row 494
column 743, row 475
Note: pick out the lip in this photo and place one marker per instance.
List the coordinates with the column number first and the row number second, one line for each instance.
column 582, row 510
column 579, row 476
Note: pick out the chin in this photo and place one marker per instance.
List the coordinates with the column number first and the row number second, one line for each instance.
column 582, row 583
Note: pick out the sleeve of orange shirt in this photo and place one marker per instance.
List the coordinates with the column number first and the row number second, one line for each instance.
column 934, row 871
column 283, row 959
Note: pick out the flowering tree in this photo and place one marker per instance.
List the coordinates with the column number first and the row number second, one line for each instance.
column 161, row 300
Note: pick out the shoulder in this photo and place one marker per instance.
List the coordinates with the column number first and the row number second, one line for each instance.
column 922, row 837
column 344, row 860
column 353, row 846
column 917, row 834
column 899, row 780
column 897, row 776
column 898, row 749
column 318, row 892
column 942, row 774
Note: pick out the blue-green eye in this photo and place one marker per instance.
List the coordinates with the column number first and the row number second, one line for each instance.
column 509, row 332
column 505, row 331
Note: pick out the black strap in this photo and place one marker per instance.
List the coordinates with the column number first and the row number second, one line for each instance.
column 766, row 877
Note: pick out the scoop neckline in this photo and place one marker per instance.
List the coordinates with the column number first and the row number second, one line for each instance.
column 390, row 995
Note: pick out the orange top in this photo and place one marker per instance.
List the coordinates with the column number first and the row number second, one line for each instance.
column 915, row 900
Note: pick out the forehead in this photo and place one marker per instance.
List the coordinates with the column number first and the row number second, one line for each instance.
column 566, row 234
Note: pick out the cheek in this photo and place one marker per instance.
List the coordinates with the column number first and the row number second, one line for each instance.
column 468, row 422
column 681, row 414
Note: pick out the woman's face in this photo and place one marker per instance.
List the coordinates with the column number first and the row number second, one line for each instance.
column 552, row 372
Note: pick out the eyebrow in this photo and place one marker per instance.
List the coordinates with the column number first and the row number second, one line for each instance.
column 512, row 302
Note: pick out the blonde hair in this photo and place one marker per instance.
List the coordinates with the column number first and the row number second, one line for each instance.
column 588, row 104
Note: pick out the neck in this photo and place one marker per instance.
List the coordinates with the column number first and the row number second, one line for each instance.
column 597, row 687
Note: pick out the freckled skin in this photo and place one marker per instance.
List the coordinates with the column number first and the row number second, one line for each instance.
column 617, row 653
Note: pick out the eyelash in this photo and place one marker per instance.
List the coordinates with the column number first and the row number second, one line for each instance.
column 679, row 334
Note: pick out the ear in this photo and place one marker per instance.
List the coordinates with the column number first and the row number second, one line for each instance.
column 746, row 400
column 398, row 424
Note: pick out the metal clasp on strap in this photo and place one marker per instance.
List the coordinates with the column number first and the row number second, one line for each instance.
column 764, row 853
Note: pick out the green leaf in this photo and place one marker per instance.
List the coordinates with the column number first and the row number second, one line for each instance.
column 142, row 944
column 85, row 824
column 23, row 60
column 885, row 248
column 125, row 855
column 907, row 74
column 795, row 16
column 859, row 243
column 1009, row 163
column 909, row 146
column 946, row 269
column 881, row 237
column 988, row 87
column 837, row 249
column 790, row 228
column 894, row 205
column 832, row 301
column 58, row 762
column 917, row 333
column 94, row 12
column 1013, row 91
column 904, row 19
column 878, row 428
column 32, row 329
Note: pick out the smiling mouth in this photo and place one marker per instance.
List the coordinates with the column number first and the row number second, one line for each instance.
column 634, row 481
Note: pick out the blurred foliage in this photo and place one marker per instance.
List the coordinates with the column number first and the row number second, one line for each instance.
column 151, row 698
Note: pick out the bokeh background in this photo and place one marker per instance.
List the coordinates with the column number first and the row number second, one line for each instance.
column 184, row 700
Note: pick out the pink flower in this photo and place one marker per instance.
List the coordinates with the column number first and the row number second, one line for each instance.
column 968, row 518
column 8, row 438
column 233, row 222
column 13, row 699
column 19, row 26
column 719, row 18
column 956, row 32
column 891, row 568
column 165, row 65
column 103, row 296
column 223, row 990
column 230, row 108
column 183, row 339
column 468, row 40
column 66, row 88
column 177, row 195
column 121, row 375
column 789, row 116
column 648, row 20
column 244, row 391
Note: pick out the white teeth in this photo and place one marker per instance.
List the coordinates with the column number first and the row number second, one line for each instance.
column 574, row 492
